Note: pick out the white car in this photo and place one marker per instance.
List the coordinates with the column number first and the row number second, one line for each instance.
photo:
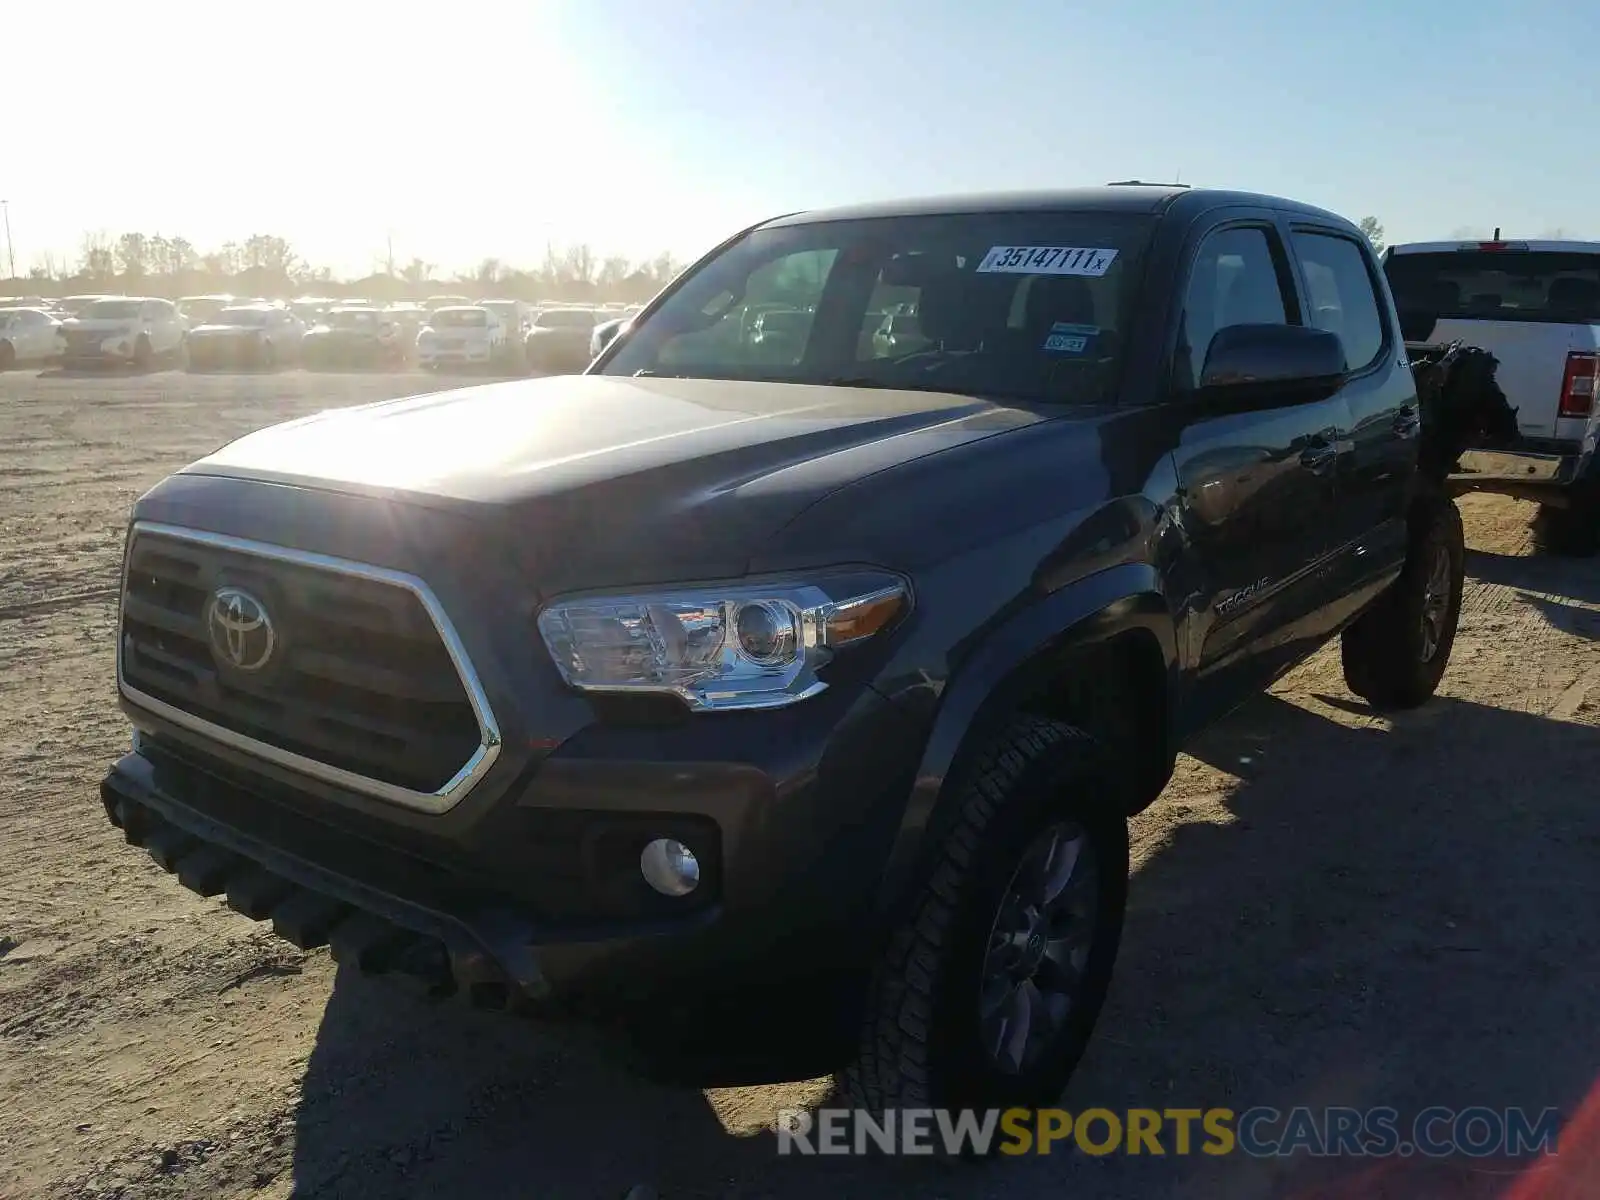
column 202, row 310
column 462, row 335
column 607, row 332
column 1535, row 306
column 127, row 329
column 27, row 335
column 516, row 314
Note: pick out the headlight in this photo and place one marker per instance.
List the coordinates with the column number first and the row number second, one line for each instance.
column 740, row 646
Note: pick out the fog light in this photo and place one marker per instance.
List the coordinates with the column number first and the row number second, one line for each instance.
column 670, row 867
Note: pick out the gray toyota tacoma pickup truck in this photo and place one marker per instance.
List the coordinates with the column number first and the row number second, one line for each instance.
column 733, row 679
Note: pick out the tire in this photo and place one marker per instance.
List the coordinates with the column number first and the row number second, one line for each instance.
column 923, row 1036
column 1570, row 532
column 142, row 353
column 8, row 356
column 269, row 357
column 1396, row 652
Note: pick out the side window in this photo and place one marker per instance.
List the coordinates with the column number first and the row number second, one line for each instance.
column 1340, row 295
column 1234, row 282
column 769, row 325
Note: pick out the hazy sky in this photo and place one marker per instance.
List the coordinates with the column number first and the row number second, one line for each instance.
column 472, row 129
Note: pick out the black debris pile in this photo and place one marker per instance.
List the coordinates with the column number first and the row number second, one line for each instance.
column 1462, row 404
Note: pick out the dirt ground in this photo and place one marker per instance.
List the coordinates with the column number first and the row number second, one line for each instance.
column 1327, row 908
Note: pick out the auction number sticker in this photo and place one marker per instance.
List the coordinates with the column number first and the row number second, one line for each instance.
column 1047, row 260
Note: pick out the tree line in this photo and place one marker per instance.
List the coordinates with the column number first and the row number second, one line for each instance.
column 268, row 265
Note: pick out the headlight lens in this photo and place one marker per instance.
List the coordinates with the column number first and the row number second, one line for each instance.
column 739, row 646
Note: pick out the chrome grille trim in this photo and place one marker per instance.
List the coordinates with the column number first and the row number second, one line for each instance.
column 446, row 797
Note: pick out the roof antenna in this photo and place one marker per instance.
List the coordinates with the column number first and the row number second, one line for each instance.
column 1496, row 237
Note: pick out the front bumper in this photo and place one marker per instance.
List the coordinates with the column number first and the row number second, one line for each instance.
column 352, row 353
column 111, row 349
column 536, row 897
column 225, row 352
column 554, row 355
column 471, row 354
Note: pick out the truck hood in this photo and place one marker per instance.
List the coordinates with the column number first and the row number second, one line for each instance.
column 607, row 479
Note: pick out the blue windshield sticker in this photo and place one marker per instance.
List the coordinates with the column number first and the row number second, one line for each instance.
column 1069, row 339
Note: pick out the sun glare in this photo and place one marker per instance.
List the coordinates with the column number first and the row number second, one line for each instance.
column 355, row 130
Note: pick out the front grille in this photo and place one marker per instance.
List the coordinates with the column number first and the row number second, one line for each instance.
column 358, row 683
column 79, row 339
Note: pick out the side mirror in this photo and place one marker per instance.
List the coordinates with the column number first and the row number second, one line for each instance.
column 605, row 335
column 1266, row 366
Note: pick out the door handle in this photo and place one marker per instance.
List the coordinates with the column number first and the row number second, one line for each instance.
column 1319, row 457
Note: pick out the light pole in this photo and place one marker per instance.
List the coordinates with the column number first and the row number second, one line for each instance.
column 11, row 255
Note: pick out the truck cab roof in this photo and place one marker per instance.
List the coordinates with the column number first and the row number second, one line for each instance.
column 1130, row 198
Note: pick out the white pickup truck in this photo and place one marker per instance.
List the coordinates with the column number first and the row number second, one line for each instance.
column 1535, row 306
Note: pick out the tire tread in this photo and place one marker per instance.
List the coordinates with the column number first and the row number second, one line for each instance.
column 891, row 1068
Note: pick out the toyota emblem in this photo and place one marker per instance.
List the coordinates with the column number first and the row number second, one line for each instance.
column 241, row 632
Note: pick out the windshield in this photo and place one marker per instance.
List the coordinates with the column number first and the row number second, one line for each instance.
column 112, row 310
column 565, row 318
column 459, row 318
column 242, row 316
column 1560, row 287
column 353, row 318
column 1020, row 305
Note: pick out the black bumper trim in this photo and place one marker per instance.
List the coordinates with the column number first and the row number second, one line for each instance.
column 310, row 905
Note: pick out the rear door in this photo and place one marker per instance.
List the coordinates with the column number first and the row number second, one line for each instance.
column 1534, row 305
column 1259, row 489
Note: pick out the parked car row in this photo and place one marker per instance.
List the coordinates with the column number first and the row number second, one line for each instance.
column 221, row 332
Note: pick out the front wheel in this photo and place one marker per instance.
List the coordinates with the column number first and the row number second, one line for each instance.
column 143, row 353
column 1396, row 652
column 987, row 994
column 8, row 356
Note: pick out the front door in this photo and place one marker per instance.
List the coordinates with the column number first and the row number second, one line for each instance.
column 1343, row 295
column 1259, row 489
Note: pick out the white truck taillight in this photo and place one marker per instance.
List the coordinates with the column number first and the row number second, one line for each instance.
column 1577, row 385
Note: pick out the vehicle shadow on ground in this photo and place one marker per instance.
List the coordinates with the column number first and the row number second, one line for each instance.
column 1565, row 591
column 1402, row 914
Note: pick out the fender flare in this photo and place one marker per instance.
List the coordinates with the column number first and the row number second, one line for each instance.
column 1014, row 658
